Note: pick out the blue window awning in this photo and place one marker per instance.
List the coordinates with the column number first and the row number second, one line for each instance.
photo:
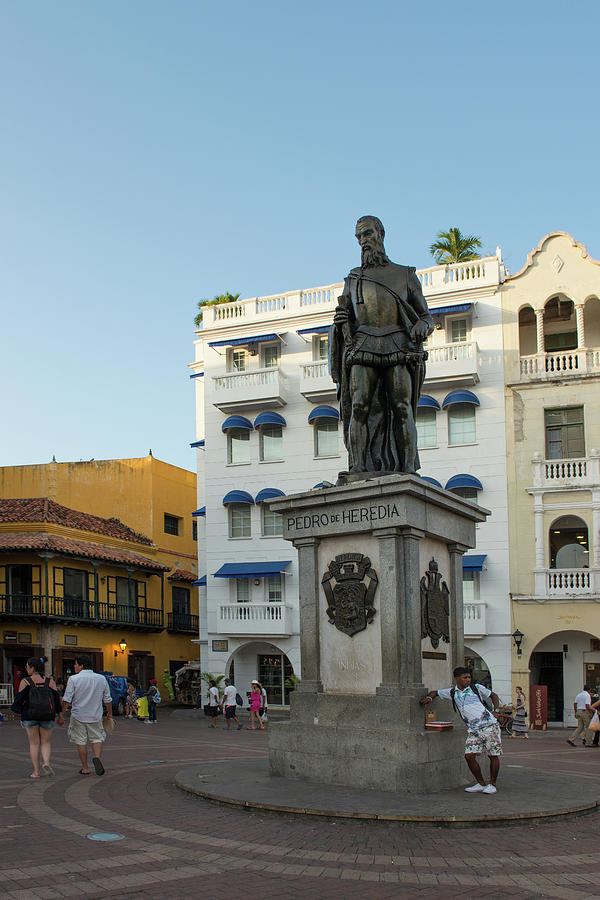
column 251, row 569
column 473, row 563
column 241, row 342
column 200, row 583
column 445, row 310
column 236, row 422
column 322, row 484
column 268, row 494
column 238, row 497
column 323, row 412
column 460, row 397
column 197, row 443
column 464, row 481
column 431, row 480
column 200, row 512
column 316, row 329
column 426, row 400
column 197, row 375
column 269, row 418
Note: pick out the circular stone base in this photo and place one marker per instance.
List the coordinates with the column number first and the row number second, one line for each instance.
column 524, row 796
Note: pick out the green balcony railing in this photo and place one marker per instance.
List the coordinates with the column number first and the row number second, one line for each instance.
column 38, row 606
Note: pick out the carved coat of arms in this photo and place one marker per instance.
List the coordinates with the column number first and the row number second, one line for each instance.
column 350, row 584
column 435, row 606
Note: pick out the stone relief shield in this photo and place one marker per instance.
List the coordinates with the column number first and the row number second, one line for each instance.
column 349, row 585
column 435, row 606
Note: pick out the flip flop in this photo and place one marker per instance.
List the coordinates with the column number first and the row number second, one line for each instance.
column 81, row 772
column 33, row 775
column 98, row 767
column 48, row 769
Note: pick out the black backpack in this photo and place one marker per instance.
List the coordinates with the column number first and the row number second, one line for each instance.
column 41, row 705
column 238, row 700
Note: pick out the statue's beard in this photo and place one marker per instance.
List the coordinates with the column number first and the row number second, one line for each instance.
column 375, row 257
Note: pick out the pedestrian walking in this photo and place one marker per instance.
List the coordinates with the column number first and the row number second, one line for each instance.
column 263, row 704
column 229, row 702
column 86, row 693
column 483, row 730
column 40, row 707
column 582, row 706
column 213, row 702
column 131, row 702
column 520, row 710
column 255, row 701
column 154, row 698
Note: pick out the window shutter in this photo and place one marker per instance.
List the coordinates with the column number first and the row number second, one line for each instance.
column 149, row 667
column 59, row 580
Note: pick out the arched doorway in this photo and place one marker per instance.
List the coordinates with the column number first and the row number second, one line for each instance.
column 479, row 668
column 267, row 662
column 564, row 662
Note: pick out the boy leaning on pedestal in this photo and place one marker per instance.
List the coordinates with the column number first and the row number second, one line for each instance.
column 483, row 730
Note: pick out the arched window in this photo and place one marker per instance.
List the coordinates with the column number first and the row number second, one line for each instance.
column 560, row 328
column 569, row 545
column 527, row 332
column 591, row 321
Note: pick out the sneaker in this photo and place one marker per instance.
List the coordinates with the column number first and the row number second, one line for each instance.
column 489, row 789
column 569, row 741
column 475, row 788
column 240, row 727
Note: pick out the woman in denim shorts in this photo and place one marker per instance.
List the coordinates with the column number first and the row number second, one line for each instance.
column 39, row 734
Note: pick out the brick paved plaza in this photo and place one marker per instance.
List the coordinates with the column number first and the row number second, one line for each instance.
column 175, row 845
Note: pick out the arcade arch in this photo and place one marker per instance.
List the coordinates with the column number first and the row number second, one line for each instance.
column 268, row 663
column 564, row 661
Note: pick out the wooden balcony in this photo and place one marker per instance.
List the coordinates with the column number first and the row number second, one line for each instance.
column 39, row 608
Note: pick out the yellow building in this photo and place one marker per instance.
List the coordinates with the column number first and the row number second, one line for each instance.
column 551, row 326
column 98, row 557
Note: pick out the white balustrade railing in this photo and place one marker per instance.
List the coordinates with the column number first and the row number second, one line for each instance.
column 581, row 472
column 460, row 350
column 251, row 612
column 569, row 581
column 240, row 381
column 474, row 619
column 319, row 296
column 434, row 279
column 270, row 304
column 568, row 362
column 254, row 618
column 314, row 370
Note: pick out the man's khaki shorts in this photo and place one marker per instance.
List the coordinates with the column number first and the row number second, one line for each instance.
column 82, row 732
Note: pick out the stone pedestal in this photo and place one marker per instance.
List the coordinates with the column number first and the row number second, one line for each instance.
column 355, row 717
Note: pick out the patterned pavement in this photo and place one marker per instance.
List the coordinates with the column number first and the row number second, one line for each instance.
column 174, row 845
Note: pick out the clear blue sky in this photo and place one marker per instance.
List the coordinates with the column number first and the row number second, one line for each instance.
column 156, row 153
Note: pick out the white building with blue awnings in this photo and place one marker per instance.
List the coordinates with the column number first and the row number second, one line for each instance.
column 267, row 424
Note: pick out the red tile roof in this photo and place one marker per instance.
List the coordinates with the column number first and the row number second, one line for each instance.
column 36, row 541
column 182, row 575
column 42, row 509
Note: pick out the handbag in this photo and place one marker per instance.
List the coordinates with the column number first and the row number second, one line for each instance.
column 595, row 723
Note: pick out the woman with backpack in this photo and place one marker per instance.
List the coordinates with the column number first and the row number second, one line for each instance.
column 154, row 698
column 40, row 707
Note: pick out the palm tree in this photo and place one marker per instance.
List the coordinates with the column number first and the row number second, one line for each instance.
column 453, row 247
column 220, row 298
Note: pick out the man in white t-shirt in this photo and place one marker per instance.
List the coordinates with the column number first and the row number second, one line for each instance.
column 483, row 730
column 86, row 693
column 213, row 702
column 582, row 706
column 229, row 702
